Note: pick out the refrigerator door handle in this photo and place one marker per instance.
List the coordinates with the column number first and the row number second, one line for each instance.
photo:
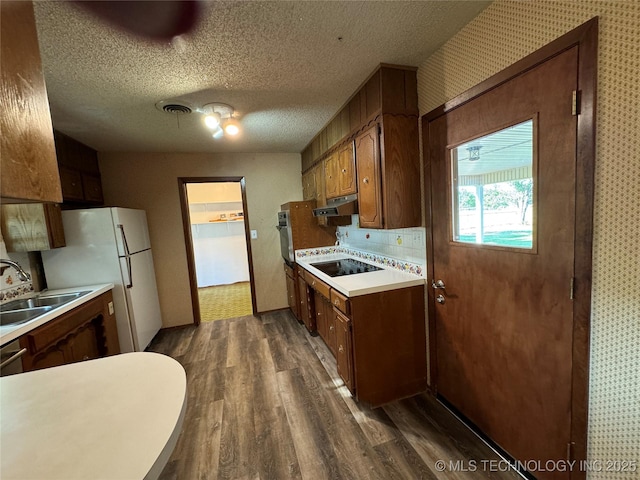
column 126, row 255
column 124, row 241
column 130, row 284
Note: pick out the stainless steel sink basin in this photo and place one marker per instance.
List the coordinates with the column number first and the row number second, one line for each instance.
column 21, row 316
column 25, row 309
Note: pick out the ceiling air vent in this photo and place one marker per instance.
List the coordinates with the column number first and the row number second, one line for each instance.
column 174, row 108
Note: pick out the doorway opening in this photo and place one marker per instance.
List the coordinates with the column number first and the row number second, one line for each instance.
column 217, row 238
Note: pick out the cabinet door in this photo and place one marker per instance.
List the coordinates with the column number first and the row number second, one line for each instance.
column 32, row 227
column 367, row 147
column 331, row 329
column 322, row 322
column 71, row 184
column 83, row 345
column 309, row 185
column 332, row 176
column 305, row 306
column 54, row 357
column 321, row 199
column 92, row 188
column 344, row 353
column 346, row 171
column 292, row 296
column 28, row 158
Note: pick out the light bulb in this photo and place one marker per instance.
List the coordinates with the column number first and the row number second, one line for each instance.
column 218, row 133
column 231, row 127
column 212, row 120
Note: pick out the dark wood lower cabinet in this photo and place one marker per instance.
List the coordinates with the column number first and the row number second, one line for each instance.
column 325, row 321
column 291, row 278
column 378, row 340
column 86, row 332
column 306, row 306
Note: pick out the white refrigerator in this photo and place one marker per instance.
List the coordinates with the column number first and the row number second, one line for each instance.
column 111, row 245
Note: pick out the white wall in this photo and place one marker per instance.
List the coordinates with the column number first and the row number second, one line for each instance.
column 217, row 230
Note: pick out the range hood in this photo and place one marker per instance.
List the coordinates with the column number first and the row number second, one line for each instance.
column 338, row 207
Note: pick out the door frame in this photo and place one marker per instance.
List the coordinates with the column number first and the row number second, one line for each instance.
column 188, row 238
column 585, row 37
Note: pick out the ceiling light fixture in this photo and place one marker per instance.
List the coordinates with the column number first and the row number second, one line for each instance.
column 219, row 117
column 474, row 153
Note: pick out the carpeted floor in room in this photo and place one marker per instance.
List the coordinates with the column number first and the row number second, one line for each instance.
column 225, row 301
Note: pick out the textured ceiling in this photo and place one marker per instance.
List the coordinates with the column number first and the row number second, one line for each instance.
column 286, row 67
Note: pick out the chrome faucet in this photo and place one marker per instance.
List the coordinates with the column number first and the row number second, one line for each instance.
column 22, row 275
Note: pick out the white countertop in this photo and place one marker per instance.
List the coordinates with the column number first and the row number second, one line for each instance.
column 111, row 418
column 9, row 333
column 360, row 283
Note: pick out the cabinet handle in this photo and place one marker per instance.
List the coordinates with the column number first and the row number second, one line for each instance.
column 336, row 302
column 365, row 180
column 313, row 283
column 331, row 328
column 340, row 349
column 344, row 170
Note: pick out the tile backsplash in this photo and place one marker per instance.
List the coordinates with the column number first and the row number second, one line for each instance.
column 403, row 243
column 10, row 285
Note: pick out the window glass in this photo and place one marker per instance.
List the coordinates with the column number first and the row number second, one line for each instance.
column 493, row 188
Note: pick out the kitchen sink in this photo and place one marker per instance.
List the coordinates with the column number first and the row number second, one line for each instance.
column 15, row 317
column 25, row 309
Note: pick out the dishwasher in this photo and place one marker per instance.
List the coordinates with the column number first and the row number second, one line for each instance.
column 11, row 358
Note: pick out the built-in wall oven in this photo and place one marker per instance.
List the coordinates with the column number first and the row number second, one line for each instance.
column 286, row 239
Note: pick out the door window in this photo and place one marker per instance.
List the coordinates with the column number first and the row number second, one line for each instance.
column 493, row 188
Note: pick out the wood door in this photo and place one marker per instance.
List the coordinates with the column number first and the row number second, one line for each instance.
column 504, row 318
column 346, row 171
column 367, row 146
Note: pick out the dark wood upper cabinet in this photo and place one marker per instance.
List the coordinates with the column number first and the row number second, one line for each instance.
column 377, row 155
column 331, row 168
column 400, row 171
column 346, row 170
column 369, row 180
column 340, row 172
column 79, row 172
column 28, row 158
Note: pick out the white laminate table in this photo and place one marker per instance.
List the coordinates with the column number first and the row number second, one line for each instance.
column 112, row 418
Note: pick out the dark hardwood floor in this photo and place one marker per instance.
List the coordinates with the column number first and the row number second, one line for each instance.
column 265, row 402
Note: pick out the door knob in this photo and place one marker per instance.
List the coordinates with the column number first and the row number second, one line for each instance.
column 439, row 284
column 440, row 299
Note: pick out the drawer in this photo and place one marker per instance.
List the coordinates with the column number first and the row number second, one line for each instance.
column 340, row 302
column 318, row 285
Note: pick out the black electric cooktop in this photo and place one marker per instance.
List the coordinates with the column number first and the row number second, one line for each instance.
column 346, row 266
